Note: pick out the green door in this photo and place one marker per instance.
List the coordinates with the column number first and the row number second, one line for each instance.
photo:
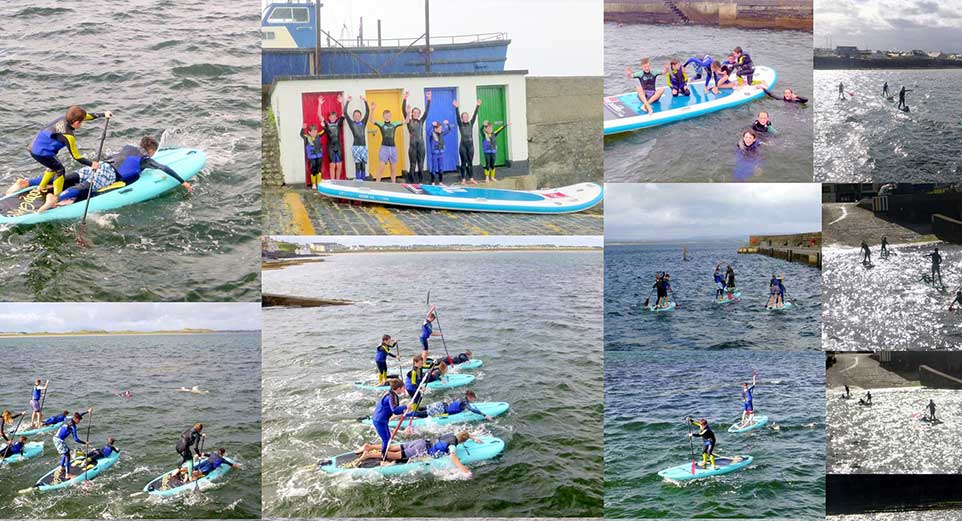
column 493, row 109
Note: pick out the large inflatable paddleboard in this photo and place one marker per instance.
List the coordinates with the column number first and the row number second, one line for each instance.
column 491, row 409
column 624, row 113
column 654, row 309
column 568, row 199
column 171, row 483
column 760, row 421
column 468, row 452
column 41, row 430
column 723, row 465
column 30, row 450
column 54, row 481
column 21, row 207
column 449, row 381
column 785, row 306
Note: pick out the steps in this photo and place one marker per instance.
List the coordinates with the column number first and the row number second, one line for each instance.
column 670, row 4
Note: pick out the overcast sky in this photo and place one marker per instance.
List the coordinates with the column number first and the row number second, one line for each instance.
column 380, row 240
column 929, row 25
column 548, row 37
column 61, row 318
column 684, row 211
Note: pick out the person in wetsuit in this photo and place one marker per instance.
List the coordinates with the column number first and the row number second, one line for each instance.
column 213, row 461
column 777, row 292
column 450, row 407
column 413, row 378
column 936, row 266
column 866, row 253
column 763, row 124
column 722, row 77
column 416, row 150
column 788, row 95
column 841, row 91
column 14, row 448
column 313, row 151
column 387, row 406
column 708, row 441
column 719, row 282
column 333, row 126
column 931, row 408
column 677, row 79
column 123, row 167
column 69, row 428
column 190, row 438
column 648, row 93
column 436, row 144
column 701, row 65
column 35, row 401
column 445, row 445
column 358, row 126
column 6, row 418
column 744, row 67
column 748, row 406
column 427, row 331
column 956, row 300
column 95, row 455
column 58, row 135
column 489, row 145
column 885, row 89
column 466, row 148
column 54, row 420
column 460, row 358
column 749, row 141
column 380, row 357
column 885, row 250
column 902, row 92
column 387, row 156
column 848, row 393
column 730, row 278
column 867, row 400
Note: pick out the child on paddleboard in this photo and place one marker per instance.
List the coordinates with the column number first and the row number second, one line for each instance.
column 54, row 137
column 648, row 93
column 708, row 441
column 677, row 79
column 748, row 407
column 380, row 357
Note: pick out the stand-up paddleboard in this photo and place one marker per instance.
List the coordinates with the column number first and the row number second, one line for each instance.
column 625, row 112
column 669, row 307
column 449, row 381
column 172, row 483
column 30, row 450
column 723, row 465
column 53, row 480
column 492, row 409
column 468, row 452
column 41, row 430
column 735, row 296
column 21, row 207
column 568, row 199
column 760, row 421
column 784, row 307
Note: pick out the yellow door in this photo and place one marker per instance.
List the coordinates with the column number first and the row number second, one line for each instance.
column 385, row 100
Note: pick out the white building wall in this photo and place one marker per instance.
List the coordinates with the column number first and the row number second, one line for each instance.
column 286, row 104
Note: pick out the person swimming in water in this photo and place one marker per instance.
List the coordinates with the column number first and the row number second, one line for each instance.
column 708, row 441
column 748, row 406
column 748, row 142
column 647, row 91
column 902, row 104
column 788, row 95
column 763, row 124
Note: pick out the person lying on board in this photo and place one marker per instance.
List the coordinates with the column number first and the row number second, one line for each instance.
column 123, row 167
column 15, row 448
column 214, row 461
column 648, row 93
column 447, row 408
column 445, row 445
column 55, row 420
column 96, row 455
column 459, row 358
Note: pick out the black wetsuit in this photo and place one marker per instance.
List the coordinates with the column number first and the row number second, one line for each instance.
column 708, row 436
column 647, row 80
column 885, row 89
column 416, row 150
column 902, row 97
column 466, row 148
column 885, row 243
column 189, row 438
column 766, row 128
column 333, row 131
column 798, row 99
column 745, row 67
column 936, row 266
column 359, row 131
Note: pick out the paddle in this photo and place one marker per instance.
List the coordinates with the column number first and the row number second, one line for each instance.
column 14, row 432
column 416, row 400
column 648, row 298
column 200, row 448
column 91, row 412
column 691, row 446
column 437, row 318
column 81, row 241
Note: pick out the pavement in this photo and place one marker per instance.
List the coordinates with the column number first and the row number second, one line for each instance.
column 301, row 211
column 861, row 371
column 846, row 224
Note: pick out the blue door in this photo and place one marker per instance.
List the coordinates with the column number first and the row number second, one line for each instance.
column 442, row 109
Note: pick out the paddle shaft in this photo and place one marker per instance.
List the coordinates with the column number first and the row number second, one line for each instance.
column 400, row 423
column 691, row 445
column 100, row 152
column 91, row 412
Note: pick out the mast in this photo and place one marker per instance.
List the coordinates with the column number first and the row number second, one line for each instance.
column 427, row 36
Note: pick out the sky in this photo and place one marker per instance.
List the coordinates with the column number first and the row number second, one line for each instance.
column 382, row 240
column 928, row 25
column 684, row 211
column 127, row 316
column 568, row 41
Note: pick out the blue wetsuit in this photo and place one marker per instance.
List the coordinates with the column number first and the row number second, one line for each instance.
column 387, row 406
column 380, row 357
column 436, row 146
column 703, row 64
column 54, row 420
column 426, row 331
column 747, row 397
column 60, row 441
column 212, row 463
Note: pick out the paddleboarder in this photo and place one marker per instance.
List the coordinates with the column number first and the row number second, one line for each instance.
column 885, row 249
column 936, row 266
column 931, row 408
column 748, row 407
column 427, row 331
column 841, row 91
column 387, row 406
column 719, row 282
column 380, row 357
column 866, row 253
column 902, row 103
column 867, row 400
column 35, row 403
column 648, row 93
column 69, row 428
column 885, row 89
column 54, row 137
column 708, row 441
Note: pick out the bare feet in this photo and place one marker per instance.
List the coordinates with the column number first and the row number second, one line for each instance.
column 20, row 184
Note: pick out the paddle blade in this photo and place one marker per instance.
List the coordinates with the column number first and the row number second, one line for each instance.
column 692, row 467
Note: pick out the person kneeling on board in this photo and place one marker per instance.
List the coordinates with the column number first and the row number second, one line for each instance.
column 447, row 408
column 96, row 455
column 123, row 168
column 677, row 79
column 213, row 462
column 708, row 437
column 445, row 445
column 867, row 400
column 13, row 449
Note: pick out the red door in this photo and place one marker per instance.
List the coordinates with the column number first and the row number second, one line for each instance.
column 328, row 103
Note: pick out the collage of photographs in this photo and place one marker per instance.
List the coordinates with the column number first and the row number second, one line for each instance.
column 369, row 259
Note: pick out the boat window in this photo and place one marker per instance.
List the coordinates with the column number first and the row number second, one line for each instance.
column 281, row 14
column 297, row 15
column 301, row 15
column 271, row 36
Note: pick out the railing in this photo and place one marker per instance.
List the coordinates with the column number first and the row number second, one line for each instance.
column 405, row 42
